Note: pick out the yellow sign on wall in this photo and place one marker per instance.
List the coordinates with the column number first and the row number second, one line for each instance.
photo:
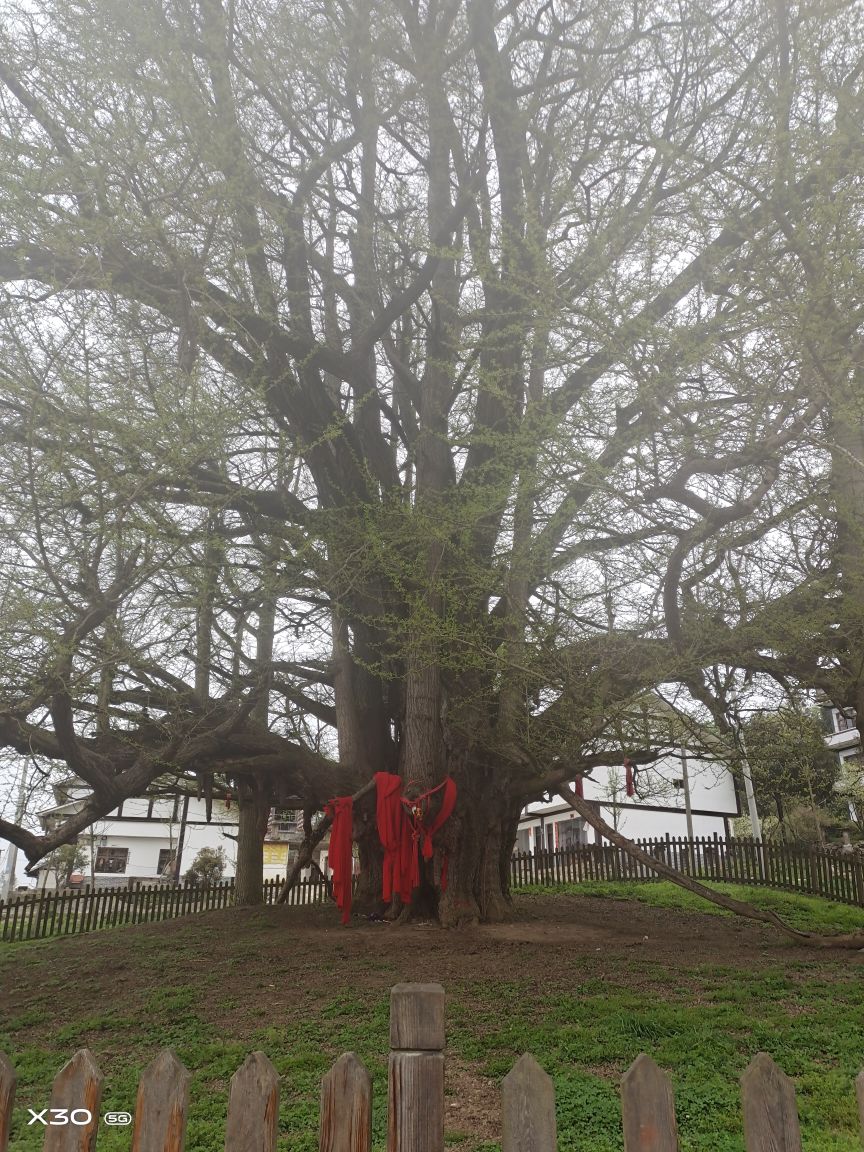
column 275, row 853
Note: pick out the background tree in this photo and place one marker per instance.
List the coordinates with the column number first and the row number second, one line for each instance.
column 207, row 867
column 65, row 860
column 792, row 768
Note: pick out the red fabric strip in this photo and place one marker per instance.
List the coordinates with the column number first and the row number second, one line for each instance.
column 390, row 818
column 341, row 854
column 404, row 834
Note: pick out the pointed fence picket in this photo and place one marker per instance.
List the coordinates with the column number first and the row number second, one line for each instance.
column 416, row 1099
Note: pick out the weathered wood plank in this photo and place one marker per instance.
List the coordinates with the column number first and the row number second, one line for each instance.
column 8, row 1080
column 415, row 1115
column 346, row 1107
column 253, row 1107
column 416, row 1071
column 648, row 1108
column 528, row 1109
column 77, row 1090
column 162, row 1106
column 417, row 1017
column 770, row 1112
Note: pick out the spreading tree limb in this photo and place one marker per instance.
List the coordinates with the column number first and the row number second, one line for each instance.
column 739, row 907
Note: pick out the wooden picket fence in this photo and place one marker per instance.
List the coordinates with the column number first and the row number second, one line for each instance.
column 794, row 868
column 415, row 1099
column 42, row 914
column 743, row 860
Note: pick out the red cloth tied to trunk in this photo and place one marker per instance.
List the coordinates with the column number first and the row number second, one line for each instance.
column 390, row 819
column 404, row 833
column 628, row 768
column 341, row 855
column 448, row 803
column 580, row 788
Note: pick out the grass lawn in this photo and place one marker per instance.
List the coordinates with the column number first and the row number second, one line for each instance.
column 573, row 980
column 807, row 913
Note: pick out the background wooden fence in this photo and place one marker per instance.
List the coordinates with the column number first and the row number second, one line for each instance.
column 42, row 914
column 810, row 869
column 415, row 1099
column 794, row 868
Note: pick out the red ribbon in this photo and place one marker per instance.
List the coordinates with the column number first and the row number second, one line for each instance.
column 390, row 818
column 579, row 789
column 404, row 834
column 341, row 854
column 628, row 768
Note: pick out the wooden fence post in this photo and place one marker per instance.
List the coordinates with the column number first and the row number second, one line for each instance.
column 8, row 1080
column 345, row 1123
column 161, row 1106
column 648, row 1108
column 859, row 1092
column 253, row 1107
column 77, row 1089
column 770, row 1112
column 528, row 1109
column 415, row 1115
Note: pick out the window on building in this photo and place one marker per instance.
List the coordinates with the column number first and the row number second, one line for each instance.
column 288, row 816
column 166, row 861
column 285, row 823
column 163, row 808
column 111, row 859
column 523, row 840
column 571, row 834
column 844, row 723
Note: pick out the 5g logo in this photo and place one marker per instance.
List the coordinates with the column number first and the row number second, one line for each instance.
column 115, row 1118
column 60, row 1117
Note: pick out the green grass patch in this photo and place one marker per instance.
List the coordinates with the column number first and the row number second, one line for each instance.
column 584, row 1014
column 806, row 913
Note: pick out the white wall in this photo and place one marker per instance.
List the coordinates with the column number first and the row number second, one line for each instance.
column 145, row 838
column 711, row 789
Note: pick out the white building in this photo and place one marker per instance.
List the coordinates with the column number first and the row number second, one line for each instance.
column 154, row 838
column 143, row 838
column 657, row 808
column 843, row 737
column 841, row 734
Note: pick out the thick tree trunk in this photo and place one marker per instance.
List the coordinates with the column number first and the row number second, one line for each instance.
column 466, row 881
column 477, row 889
column 254, row 805
column 368, row 898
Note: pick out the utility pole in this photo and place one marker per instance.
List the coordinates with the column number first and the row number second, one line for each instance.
column 686, row 781
column 7, row 877
column 738, row 734
column 688, row 810
column 755, row 823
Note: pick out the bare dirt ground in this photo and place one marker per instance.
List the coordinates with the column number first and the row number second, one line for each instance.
column 291, row 951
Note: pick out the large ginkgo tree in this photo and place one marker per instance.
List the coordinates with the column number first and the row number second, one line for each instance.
column 415, row 386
